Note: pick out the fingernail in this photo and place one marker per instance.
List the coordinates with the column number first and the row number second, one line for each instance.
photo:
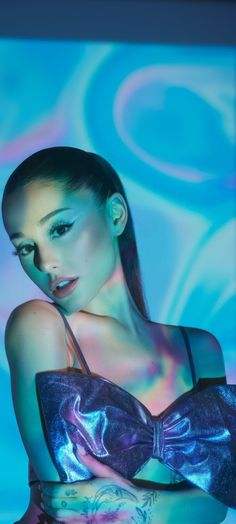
column 81, row 450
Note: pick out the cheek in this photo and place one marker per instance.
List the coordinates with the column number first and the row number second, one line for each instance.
column 91, row 257
column 32, row 272
column 40, row 278
column 26, row 265
column 95, row 243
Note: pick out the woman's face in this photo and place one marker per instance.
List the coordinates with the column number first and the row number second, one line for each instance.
column 65, row 241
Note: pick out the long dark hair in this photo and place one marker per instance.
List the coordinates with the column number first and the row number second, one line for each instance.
column 74, row 168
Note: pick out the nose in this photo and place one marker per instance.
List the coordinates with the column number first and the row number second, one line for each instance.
column 46, row 260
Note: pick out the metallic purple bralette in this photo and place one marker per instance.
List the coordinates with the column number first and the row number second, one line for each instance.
column 195, row 436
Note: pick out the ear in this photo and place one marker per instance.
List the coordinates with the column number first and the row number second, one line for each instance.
column 117, row 213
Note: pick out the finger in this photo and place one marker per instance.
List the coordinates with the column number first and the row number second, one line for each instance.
column 99, row 469
column 62, row 514
column 74, row 503
column 60, row 490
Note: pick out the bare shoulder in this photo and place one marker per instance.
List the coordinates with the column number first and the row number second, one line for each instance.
column 34, row 327
column 206, row 352
column 32, row 314
column 32, row 309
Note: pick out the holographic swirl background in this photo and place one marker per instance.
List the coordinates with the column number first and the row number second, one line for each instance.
column 164, row 117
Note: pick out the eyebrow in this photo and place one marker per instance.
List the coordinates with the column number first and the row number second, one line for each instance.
column 41, row 221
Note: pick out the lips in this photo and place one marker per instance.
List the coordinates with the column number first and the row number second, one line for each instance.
column 62, row 287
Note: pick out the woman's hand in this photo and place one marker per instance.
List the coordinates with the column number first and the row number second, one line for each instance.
column 111, row 498
column 107, row 498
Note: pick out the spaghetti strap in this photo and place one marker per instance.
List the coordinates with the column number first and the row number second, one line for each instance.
column 190, row 356
column 68, row 328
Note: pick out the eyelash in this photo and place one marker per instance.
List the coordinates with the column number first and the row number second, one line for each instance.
column 18, row 251
column 61, row 225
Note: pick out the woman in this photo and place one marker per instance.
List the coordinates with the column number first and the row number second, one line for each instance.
column 66, row 212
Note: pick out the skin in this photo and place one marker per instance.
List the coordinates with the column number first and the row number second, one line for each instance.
column 82, row 240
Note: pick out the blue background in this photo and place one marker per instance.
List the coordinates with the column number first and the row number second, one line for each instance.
column 163, row 115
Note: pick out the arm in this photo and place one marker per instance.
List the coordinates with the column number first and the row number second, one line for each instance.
column 111, row 498
column 35, row 341
column 141, row 505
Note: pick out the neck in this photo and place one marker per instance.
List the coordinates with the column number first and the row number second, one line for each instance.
column 115, row 301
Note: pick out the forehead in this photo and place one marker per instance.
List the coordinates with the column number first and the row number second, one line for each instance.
column 27, row 205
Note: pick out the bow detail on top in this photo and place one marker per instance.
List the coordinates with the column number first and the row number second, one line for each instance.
column 195, row 436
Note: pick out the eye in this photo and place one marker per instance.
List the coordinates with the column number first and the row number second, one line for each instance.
column 23, row 251
column 60, row 229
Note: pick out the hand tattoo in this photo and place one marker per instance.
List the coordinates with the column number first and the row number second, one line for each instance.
column 71, row 492
column 108, row 505
column 144, row 516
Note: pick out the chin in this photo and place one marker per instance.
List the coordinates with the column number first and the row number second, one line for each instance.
column 66, row 308
column 69, row 307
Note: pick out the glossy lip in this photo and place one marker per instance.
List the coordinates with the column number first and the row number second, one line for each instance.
column 66, row 290
column 57, row 281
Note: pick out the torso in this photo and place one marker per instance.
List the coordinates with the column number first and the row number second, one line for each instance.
column 155, row 370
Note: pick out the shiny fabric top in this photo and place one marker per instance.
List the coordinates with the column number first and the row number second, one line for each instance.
column 195, row 436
